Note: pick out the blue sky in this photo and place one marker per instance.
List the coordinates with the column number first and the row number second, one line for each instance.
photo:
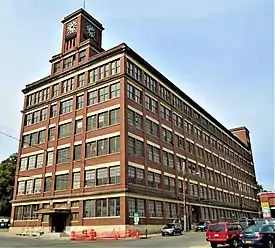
column 219, row 52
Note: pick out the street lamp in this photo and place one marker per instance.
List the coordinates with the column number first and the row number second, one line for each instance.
column 184, row 174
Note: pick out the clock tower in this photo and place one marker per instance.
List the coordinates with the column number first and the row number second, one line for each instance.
column 80, row 27
column 81, row 39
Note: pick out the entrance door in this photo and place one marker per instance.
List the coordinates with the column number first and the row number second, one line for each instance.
column 59, row 221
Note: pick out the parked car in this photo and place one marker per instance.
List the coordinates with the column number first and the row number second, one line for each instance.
column 259, row 236
column 171, row 229
column 257, row 221
column 223, row 233
column 4, row 223
column 202, row 226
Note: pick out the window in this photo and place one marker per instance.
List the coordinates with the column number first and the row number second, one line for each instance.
column 78, row 126
column 152, row 128
column 115, row 175
column 151, row 104
column 153, row 153
column 91, row 123
column 53, row 110
column 29, row 187
column 49, row 159
column 135, row 119
column 168, row 159
column 67, row 85
column 103, row 94
column 101, row 208
column 65, row 130
column 55, row 90
column 28, row 119
column 114, row 143
column 21, row 187
column 37, row 185
column 76, row 180
column 93, row 75
column 114, row 116
column 135, row 175
column 167, row 135
column 91, row 149
column 56, row 67
column 115, row 90
column 152, row 210
column 90, row 178
column 39, row 160
column 63, row 155
column 82, row 55
column 48, row 184
column 61, row 182
column 77, row 152
column 41, row 137
column 69, row 62
column 134, row 94
column 154, row 180
column 114, row 207
column 80, row 80
column 165, row 113
column 150, row 83
column 102, row 176
column 44, row 113
column 23, row 163
column 178, row 121
column 92, row 98
column 79, row 102
column 103, row 120
column 115, row 67
column 66, row 106
column 31, row 162
column 102, row 147
column 89, row 208
column 135, row 147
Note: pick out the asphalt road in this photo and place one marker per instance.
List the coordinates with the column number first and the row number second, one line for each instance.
column 189, row 240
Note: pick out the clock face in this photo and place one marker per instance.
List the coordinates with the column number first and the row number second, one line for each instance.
column 71, row 27
column 90, row 30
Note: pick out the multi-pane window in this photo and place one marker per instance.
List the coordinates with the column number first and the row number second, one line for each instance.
column 115, row 67
column 89, row 208
column 190, row 147
column 114, row 116
column 150, row 82
column 136, row 205
column 63, row 155
column 79, row 102
column 21, row 187
column 103, row 94
column 66, row 106
column 44, row 114
column 166, row 135
column 114, row 143
column 115, row 175
column 115, row 90
column 154, row 180
column 48, row 184
column 90, row 178
column 53, row 110
column 180, row 143
column 82, row 55
column 69, row 62
column 65, row 130
column 77, row 152
column 80, row 80
column 92, row 98
column 91, row 123
column 152, row 128
column 102, row 147
column 49, row 160
column 55, row 89
column 153, row 153
column 135, row 147
column 165, row 113
column 61, row 182
column 178, row 121
column 37, row 185
column 151, row 104
column 56, row 67
column 135, row 119
column 114, row 207
column 188, row 128
column 103, row 120
column 78, row 126
column 102, row 176
column 67, row 85
column 168, row 159
column 135, row 175
column 134, row 94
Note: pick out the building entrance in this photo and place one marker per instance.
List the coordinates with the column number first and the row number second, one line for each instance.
column 59, row 222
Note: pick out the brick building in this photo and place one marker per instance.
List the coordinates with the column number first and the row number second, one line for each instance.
column 106, row 135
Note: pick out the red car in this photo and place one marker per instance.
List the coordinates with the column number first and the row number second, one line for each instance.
column 223, row 233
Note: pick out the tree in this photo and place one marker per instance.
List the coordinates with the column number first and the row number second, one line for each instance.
column 260, row 188
column 7, row 173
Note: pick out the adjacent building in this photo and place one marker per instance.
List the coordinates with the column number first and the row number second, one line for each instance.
column 106, row 136
column 267, row 200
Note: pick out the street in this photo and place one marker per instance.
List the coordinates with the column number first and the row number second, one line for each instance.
column 189, row 240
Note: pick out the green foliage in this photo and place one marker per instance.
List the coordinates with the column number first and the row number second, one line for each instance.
column 7, row 173
column 260, row 188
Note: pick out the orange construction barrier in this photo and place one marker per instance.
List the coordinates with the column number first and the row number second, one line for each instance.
column 73, row 235
column 92, row 234
column 127, row 233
